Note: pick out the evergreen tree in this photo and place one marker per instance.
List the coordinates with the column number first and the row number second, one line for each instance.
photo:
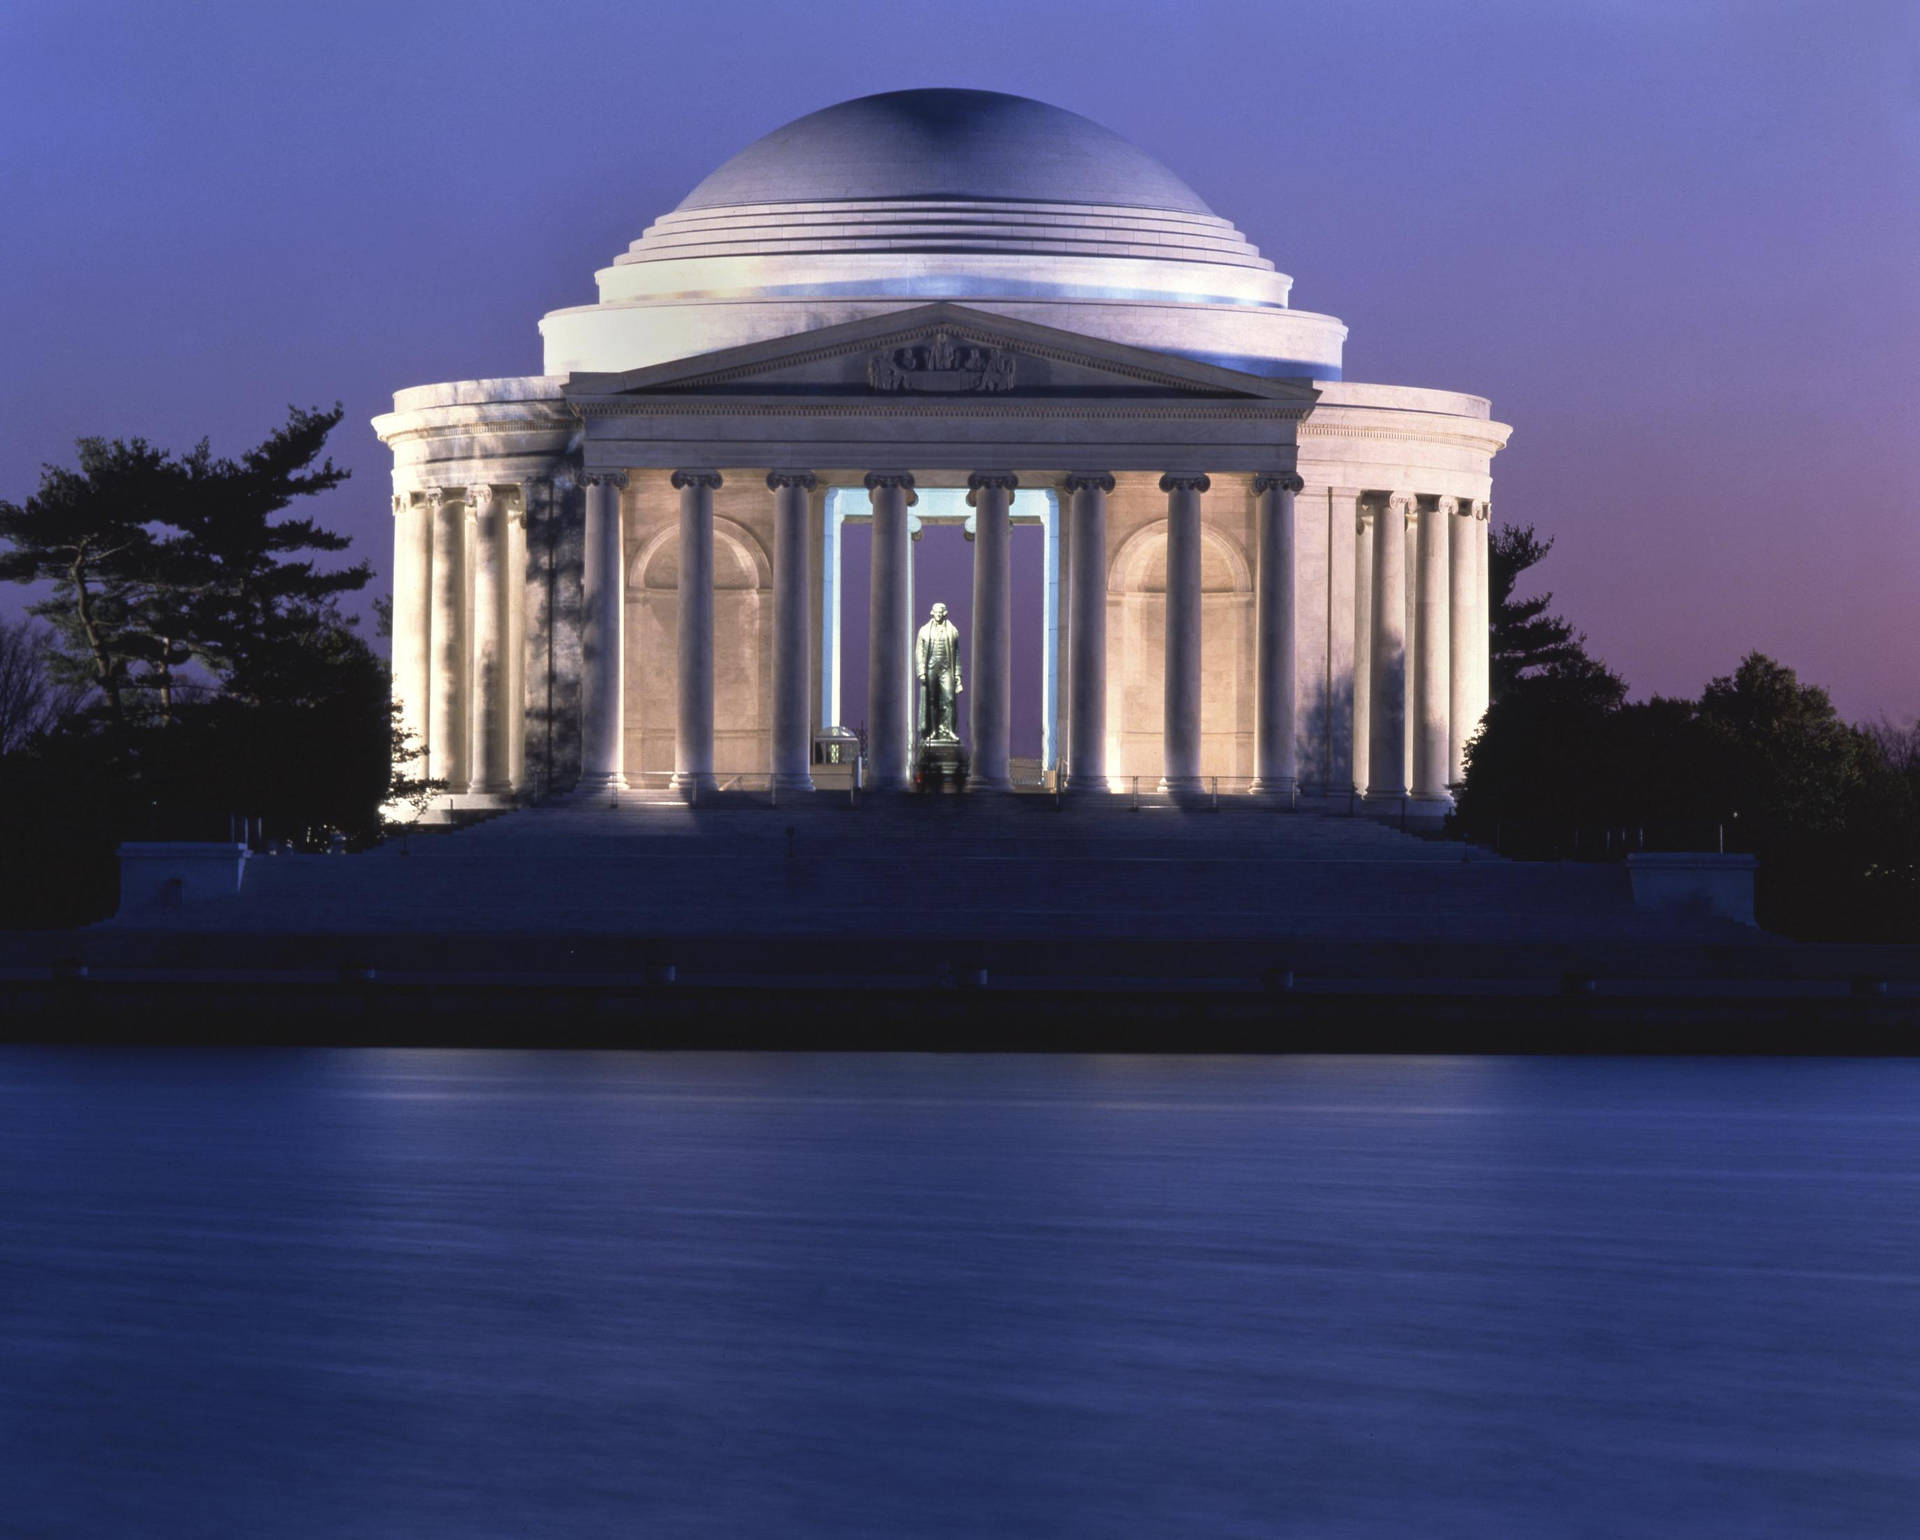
column 223, row 678
column 87, row 533
column 1527, row 639
column 257, row 597
column 158, row 563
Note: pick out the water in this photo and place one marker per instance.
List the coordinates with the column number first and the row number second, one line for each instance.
column 366, row 1294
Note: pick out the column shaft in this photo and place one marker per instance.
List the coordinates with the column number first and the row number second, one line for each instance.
column 792, row 654
column 488, row 766
column 1181, row 731
column 1387, row 732
column 412, row 623
column 1432, row 666
column 602, row 635
column 1364, row 520
column 517, row 600
column 447, row 688
column 1461, row 651
column 890, row 634
column 1087, row 633
column 1275, row 704
column 693, row 738
column 1480, row 679
column 990, row 708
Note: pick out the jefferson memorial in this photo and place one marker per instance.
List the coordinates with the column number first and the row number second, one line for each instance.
column 1262, row 578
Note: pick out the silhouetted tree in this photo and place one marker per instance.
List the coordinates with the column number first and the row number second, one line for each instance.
column 1760, row 761
column 224, row 677
column 32, row 704
column 1527, row 639
column 1783, row 759
column 86, row 532
column 1540, row 763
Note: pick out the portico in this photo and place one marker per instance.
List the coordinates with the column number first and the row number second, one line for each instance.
column 802, row 417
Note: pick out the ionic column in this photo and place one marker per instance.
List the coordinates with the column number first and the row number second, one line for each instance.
column 491, row 748
column 1087, row 631
column 1461, row 649
column 1275, row 767
column 990, row 709
column 1433, row 674
column 447, row 686
column 602, row 633
column 1364, row 519
column 1181, row 738
column 1387, row 731
column 412, row 623
column 791, row 754
column 518, row 510
column 693, row 737
column 1480, row 678
column 890, row 633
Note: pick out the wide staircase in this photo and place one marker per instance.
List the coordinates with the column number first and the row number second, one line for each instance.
column 924, row 867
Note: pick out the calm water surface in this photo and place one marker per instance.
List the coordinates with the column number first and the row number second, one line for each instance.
column 363, row 1293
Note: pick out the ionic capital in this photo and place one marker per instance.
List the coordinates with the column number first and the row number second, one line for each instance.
column 874, row 480
column 707, row 480
column 1184, row 481
column 585, row 479
column 1448, row 506
column 434, row 497
column 990, row 481
column 1483, row 512
column 402, row 501
column 479, row 499
column 778, row 479
column 1088, row 481
column 1278, row 481
column 1406, row 502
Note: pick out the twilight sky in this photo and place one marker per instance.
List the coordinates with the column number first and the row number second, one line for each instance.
column 1677, row 242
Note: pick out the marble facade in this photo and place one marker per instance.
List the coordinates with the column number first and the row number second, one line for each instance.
column 1272, row 579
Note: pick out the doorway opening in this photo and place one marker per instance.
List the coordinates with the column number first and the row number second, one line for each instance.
column 941, row 568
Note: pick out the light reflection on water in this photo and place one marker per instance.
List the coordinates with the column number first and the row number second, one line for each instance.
column 504, row 1294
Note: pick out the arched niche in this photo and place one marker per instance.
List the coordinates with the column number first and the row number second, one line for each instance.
column 1137, row 654
column 1140, row 565
column 742, row 651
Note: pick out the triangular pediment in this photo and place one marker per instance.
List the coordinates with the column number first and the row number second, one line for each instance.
column 941, row 352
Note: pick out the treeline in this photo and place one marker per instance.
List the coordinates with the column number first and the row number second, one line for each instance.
column 1566, row 766
column 187, row 666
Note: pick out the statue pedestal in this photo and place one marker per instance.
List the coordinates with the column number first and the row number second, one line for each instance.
column 940, row 767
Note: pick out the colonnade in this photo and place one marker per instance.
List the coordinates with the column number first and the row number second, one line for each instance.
column 459, row 632
column 891, row 625
column 1421, row 643
column 1420, row 640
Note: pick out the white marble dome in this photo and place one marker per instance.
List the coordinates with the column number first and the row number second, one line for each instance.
column 1000, row 202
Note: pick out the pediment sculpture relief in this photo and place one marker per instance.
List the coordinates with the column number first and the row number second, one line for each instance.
column 942, row 365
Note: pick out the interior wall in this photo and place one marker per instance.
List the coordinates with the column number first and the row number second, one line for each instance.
column 742, row 625
column 1137, row 628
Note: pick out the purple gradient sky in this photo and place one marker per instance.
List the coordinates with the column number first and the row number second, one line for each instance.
column 1677, row 242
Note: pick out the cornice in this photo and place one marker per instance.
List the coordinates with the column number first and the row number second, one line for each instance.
column 1488, row 442
column 984, row 336
column 894, row 407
